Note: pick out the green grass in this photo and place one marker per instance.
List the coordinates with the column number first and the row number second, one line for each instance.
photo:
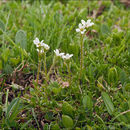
column 104, row 102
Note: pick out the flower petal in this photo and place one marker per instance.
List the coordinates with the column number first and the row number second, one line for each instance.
column 83, row 22
column 77, row 30
column 80, row 25
column 82, row 32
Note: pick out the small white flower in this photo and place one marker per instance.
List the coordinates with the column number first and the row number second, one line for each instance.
column 41, row 51
column 36, row 41
column 81, row 29
column 46, row 46
column 58, row 53
column 41, row 44
column 88, row 23
column 67, row 56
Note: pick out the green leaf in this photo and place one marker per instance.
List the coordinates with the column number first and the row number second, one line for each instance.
column 127, row 87
column 77, row 128
column 67, row 109
column 34, row 115
column 24, row 126
column 67, row 121
column 5, row 54
column 105, row 29
column 2, row 25
column 123, row 77
column 21, row 39
column 89, row 127
column 13, row 108
column 15, row 61
column 87, row 102
column 8, row 69
column 108, row 103
column 112, row 75
column 55, row 127
column 12, row 112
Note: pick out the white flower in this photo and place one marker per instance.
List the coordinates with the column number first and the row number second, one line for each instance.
column 41, row 44
column 67, row 56
column 58, row 53
column 36, row 41
column 41, row 50
column 46, row 46
column 81, row 29
column 87, row 24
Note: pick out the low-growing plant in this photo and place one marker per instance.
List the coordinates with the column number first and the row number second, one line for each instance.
column 69, row 80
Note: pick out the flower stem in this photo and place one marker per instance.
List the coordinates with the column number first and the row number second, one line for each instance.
column 39, row 66
column 81, row 56
column 45, row 69
column 69, row 73
column 53, row 64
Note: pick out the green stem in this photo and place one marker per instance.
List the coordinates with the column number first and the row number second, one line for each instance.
column 53, row 64
column 69, row 73
column 81, row 56
column 45, row 69
column 39, row 66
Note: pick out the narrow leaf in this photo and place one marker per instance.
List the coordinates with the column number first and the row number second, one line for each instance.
column 34, row 115
column 11, row 106
column 24, row 126
column 87, row 102
column 2, row 25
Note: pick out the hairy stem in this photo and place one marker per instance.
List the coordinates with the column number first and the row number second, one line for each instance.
column 81, row 56
column 45, row 69
column 53, row 64
column 69, row 72
column 39, row 66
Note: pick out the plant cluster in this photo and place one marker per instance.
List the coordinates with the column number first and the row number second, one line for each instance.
column 74, row 79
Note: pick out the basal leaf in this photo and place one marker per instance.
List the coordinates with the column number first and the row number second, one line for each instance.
column 21, row 39
column 67, row 121
column 105, row 29
column 2, row 25
column 87, row 102
column 108, row 103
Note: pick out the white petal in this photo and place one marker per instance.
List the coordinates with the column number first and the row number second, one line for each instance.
column 42, row 51
column 92, row 24
column 82, row 32
column 45, row 46
column 71, row 55
column 56, row 51
column 42, row 44
column 42, row 41
column 83, row 22
column 36, row 41
column 77, row 30
column 37, row 50
column 89, row 20
column 61, row 54
column 37, row 45
column 80, row 25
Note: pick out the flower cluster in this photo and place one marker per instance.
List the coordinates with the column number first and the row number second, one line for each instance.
column 63, row 55
column 41, row 46
column 84, row 25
